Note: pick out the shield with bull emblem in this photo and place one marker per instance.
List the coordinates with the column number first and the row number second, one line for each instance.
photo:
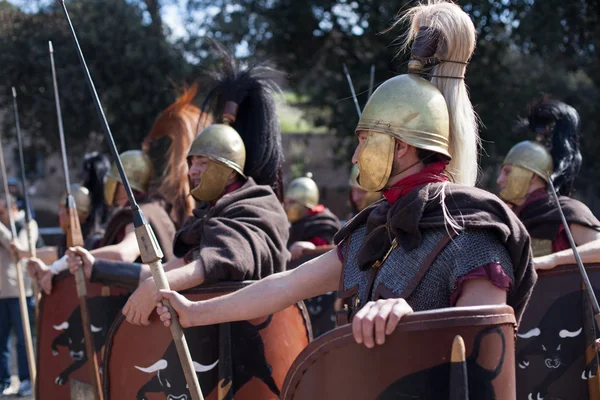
column 141, row 362
column 414, row 363
column 555, row 356
column 60, row 342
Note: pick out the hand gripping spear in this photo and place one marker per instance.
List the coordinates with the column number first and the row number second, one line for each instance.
column 149, row 248
column 75, row 238
column 20, row 282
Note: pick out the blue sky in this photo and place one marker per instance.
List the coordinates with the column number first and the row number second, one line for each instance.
column 172, row 13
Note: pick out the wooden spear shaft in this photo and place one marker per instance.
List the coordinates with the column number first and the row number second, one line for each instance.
column 150, row 250
column 75, row 238
column 28, row 219
column 20, row 280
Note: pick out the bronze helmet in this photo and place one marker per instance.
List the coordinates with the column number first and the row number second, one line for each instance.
column 305, row 195
column 139, row 171
column 407, row 108
column 226, row 152
column 526, row 159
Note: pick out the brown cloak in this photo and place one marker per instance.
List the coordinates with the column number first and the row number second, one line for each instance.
column 421, row 209
column 323, row 225
column 542, row 218
column 157, row 217
column 242, row 236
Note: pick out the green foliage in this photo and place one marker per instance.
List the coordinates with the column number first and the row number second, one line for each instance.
column 134, row 69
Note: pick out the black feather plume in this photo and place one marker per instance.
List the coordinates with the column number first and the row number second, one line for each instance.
column 556, row 124
column 95, row 168
column 252, row 89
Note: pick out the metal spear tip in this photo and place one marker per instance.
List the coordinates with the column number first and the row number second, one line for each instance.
column 14, row 92
column 50, row 46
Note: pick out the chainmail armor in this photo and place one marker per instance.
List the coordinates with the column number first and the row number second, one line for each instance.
column 467, row 251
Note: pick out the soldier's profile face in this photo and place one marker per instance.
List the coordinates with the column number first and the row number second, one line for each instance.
column 362, row 137
column 197, row 166
column 502, row 180
column 120, row 195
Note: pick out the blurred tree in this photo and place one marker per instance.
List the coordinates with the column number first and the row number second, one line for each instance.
column 525, row 48
column 132, row 64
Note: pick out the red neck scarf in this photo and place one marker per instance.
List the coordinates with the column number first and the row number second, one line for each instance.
column 432, row 173
column 318, row 209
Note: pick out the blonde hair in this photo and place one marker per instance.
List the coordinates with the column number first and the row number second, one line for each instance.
column 456, row 44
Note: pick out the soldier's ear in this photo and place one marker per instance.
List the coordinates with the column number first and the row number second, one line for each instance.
column 232, row 177
column 401, row 149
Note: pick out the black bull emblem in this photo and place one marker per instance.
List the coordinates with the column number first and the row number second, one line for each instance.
column 434, row 383
column 103, row 311
column 560, row 339
column 248, row 361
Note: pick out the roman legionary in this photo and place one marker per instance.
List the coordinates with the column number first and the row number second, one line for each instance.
column 239, row 228
column 523, row 181
column 312, row 225
column 119, row 242
column 558, row 306
column 359, row 197
column 37, row 267
column 431, row 243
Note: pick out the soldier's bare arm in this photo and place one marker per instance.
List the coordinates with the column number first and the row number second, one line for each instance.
column 588, row 246
column 140, row 304
column 126, row 251
column 265, row 297
column 480, row 292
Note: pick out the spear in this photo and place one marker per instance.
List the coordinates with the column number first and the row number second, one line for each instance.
column 20, row 281
column 75, row 238
column 150, row 250
column 349, row 79
column 371, row 80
